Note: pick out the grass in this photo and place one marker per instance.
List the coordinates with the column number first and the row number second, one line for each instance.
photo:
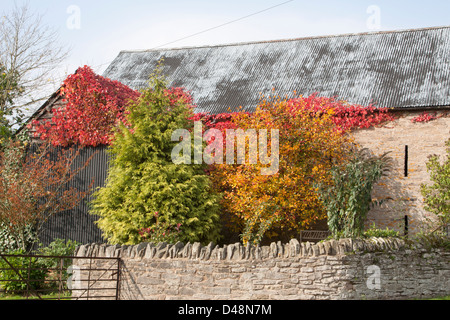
column 441, row 298
column 53, row 296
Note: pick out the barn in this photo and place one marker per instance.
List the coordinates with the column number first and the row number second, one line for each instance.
column 407, row 71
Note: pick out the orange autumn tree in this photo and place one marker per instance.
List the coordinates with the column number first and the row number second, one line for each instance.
column 312, row 138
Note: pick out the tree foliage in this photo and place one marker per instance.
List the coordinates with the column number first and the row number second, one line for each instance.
column 348, row 197
column 142, row 179
column 313, row 135
column 9, row 90
column 308, row 139
column 35, row 187
column 94, row 105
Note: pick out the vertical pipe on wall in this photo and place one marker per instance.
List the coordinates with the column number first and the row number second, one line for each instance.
column 406, row 161
column 406, row 225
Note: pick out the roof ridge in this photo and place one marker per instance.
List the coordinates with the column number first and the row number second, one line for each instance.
column 288, row 39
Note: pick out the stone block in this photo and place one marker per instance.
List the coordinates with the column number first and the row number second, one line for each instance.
column 217, row 291
column 280, row 249
column 149, row 281
column 196, row 247
column 273, row 250
column 265, row 252
column 187, row 251
column 294, row 247
column 208, row 250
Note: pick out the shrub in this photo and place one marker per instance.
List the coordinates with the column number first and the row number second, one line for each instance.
column 58, row 247
column 57, row 273
column 432, row 240
column 380, row 233
column 142, row 179
column 161, row 232
column 299, row 139
column 349, row 196
column 10, row 243
column 27, row 267
column 34, row 187
column 437, row 194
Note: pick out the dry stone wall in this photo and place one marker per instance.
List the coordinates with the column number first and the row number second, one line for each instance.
column 345, row 269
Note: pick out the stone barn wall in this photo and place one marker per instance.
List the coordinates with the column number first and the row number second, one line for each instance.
column 409, row 143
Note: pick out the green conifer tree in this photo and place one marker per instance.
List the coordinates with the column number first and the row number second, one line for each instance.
column 142, row 179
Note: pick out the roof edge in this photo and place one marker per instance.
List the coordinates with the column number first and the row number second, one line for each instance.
column 51, row 99
column 421, row 108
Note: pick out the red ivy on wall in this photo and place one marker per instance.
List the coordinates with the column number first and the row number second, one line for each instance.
column 93, row 106
column 346, row 116
column 425, row 117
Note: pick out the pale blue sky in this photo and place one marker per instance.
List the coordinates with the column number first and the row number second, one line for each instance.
column 105, row 27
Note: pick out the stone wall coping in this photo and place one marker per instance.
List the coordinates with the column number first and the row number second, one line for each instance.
column 237, row 251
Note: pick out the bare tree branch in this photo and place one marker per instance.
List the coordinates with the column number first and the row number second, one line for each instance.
column 30, row 55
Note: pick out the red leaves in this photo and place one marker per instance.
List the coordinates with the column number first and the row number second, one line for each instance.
column 34, row 186
column 345, row 116
column 425, row 117
column 94, row 106
column 179, row 94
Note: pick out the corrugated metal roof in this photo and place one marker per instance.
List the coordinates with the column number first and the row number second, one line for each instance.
column 399, row 69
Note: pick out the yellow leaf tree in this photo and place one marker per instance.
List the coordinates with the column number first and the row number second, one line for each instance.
column 308, row 143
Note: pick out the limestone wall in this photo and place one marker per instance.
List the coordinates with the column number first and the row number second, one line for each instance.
column 345, row 269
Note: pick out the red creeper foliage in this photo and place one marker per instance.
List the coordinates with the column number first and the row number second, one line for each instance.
column 94, row 105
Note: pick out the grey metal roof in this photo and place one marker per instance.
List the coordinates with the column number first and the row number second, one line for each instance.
column 399, row 69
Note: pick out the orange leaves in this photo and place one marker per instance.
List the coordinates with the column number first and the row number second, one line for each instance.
column 312, row 138
column 308, row 141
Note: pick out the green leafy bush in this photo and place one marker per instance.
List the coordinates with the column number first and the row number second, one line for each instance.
column 59, row 247
column 10, row 243
column 380, row 233
column 432, row 240
column 349, row 197
column 437, row 195
column 57, row 273
column 27, row 268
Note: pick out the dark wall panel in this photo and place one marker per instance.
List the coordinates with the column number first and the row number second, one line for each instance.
column 78, row 224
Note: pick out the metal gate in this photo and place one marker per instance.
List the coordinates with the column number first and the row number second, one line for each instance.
column 60, row 277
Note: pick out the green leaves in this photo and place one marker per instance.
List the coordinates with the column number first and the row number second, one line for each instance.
column 437, row 195
column 142, row 178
